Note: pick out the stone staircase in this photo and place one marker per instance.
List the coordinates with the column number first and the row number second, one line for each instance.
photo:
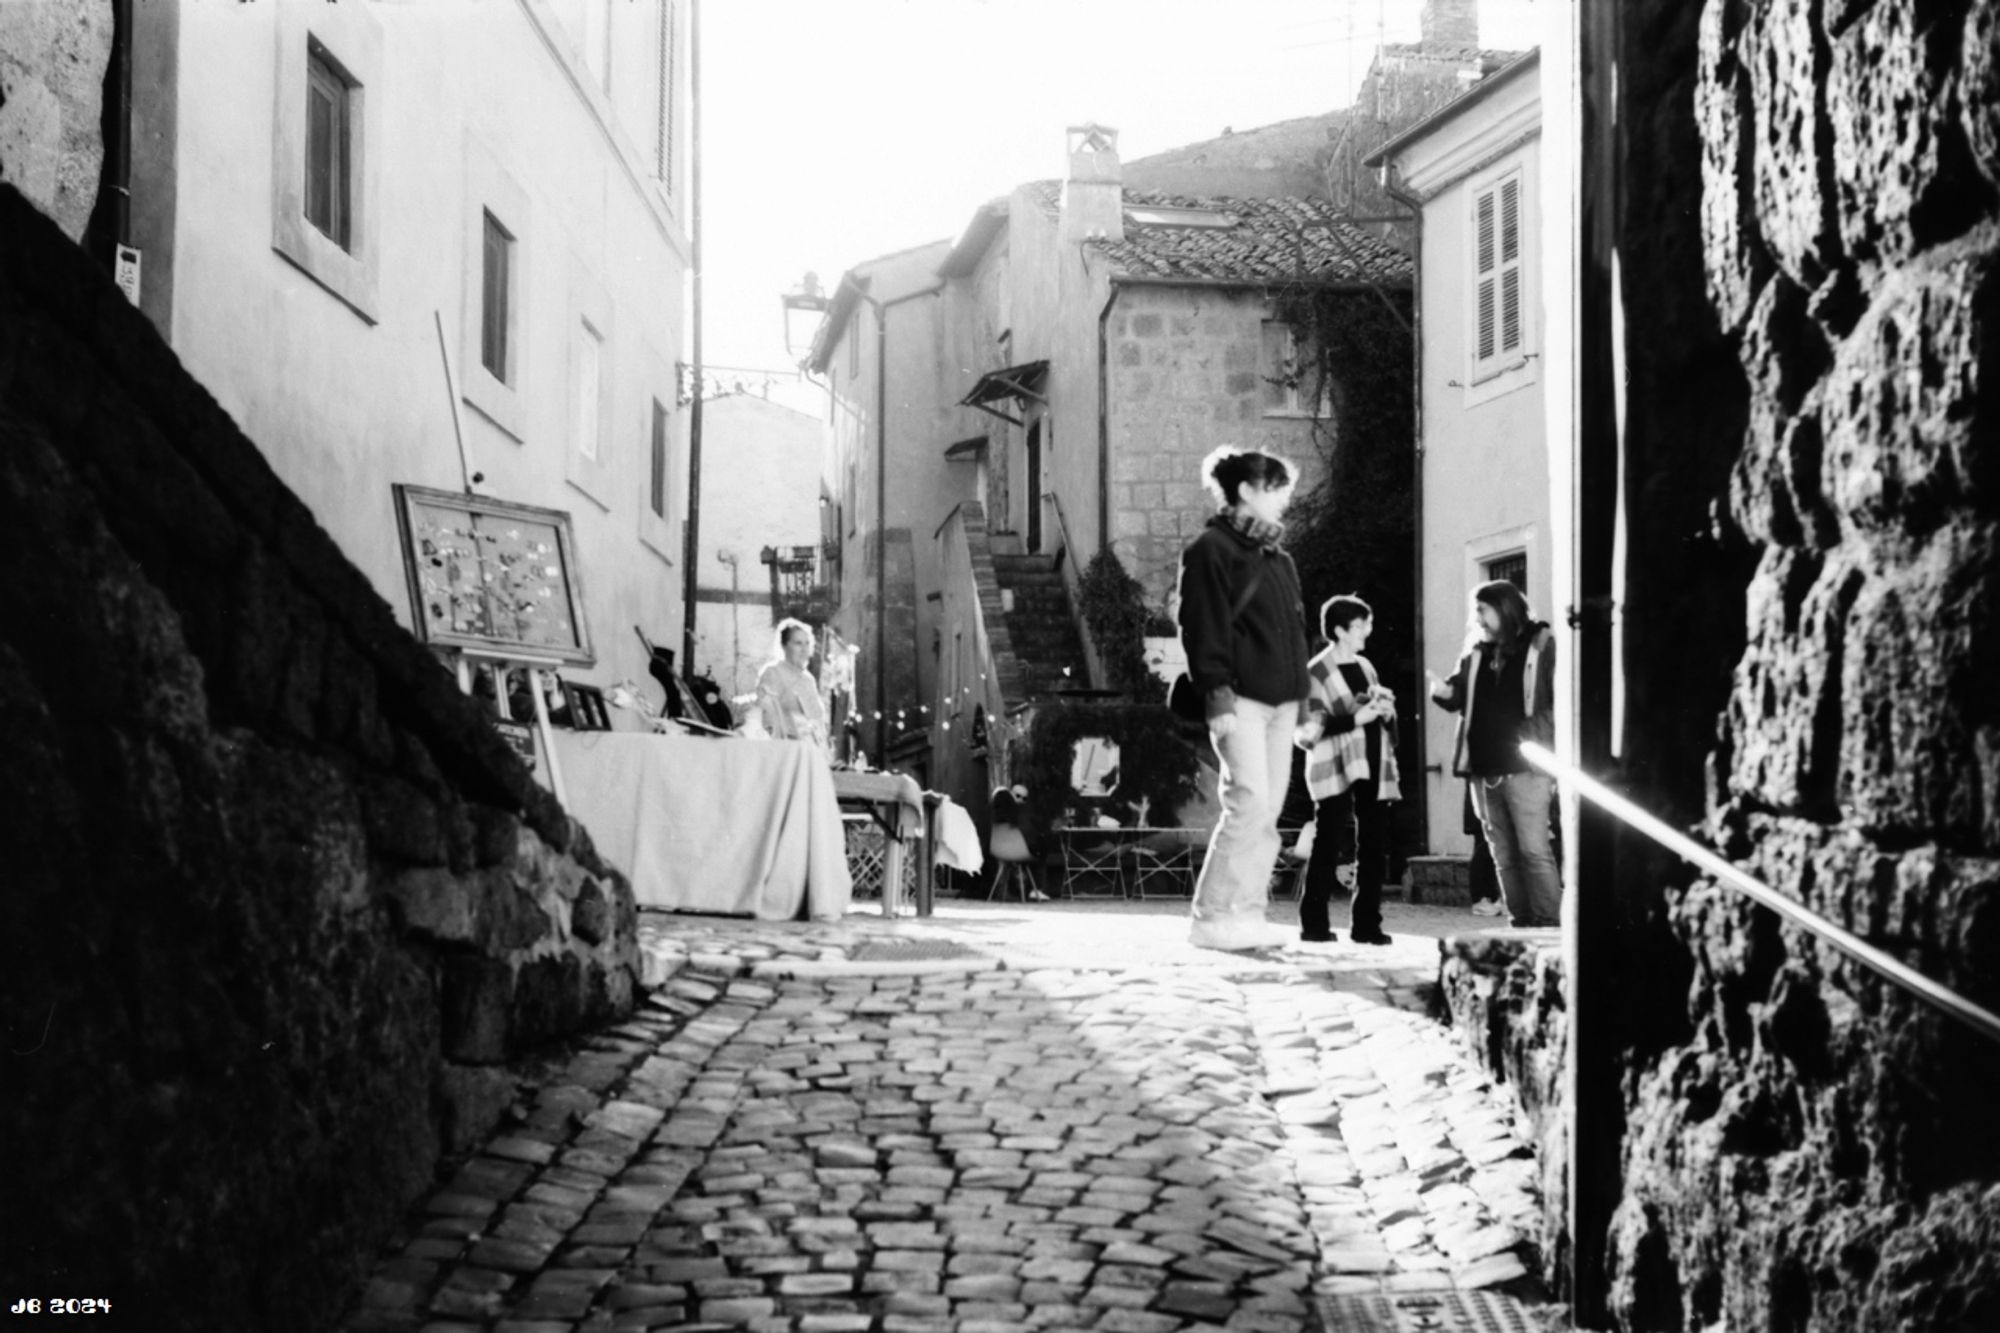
column 1041, row 625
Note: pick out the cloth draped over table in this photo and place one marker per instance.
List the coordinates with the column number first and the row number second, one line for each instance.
column 957, row 838
column 712, row 825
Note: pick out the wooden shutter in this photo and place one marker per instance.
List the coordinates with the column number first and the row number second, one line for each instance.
column 1485, row 278
column 659, row 496
column 666, row 109
column 496, row 260
column 1510, row 261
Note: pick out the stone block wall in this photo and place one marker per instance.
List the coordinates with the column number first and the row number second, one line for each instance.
column 1505, row 996
column 1807, row 1147
column 279, row 904
column 1184, row 377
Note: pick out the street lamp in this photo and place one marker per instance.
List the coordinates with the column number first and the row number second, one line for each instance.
column 804, row 307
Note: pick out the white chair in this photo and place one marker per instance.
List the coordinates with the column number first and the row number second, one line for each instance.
column 1009, row 849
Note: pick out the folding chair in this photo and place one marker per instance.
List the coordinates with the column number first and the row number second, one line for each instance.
column 1165, row 859
column 1288, row 875
column 1092, row 852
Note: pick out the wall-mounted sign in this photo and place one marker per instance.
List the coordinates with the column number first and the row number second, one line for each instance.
column 492, row 576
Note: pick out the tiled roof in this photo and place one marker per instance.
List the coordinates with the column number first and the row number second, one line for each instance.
column 1273, row 240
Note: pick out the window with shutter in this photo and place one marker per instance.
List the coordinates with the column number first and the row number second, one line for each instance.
column 665, row 129
column 1499, row 284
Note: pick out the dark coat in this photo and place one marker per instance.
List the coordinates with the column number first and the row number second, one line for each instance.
column 1260, row 654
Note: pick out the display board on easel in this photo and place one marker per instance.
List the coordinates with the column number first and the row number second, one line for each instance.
column 496, row 585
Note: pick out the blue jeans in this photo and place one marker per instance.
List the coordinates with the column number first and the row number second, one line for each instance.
column 1514, row 811
column 1235, row 881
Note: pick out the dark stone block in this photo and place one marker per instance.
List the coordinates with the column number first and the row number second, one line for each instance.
column 548, row 1000
column 496, row 835
column 471, row 1099
column 477, row 996
column 405, row 826
column 590, row 915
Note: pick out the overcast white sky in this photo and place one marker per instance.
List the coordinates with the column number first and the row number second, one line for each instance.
column 837, row 130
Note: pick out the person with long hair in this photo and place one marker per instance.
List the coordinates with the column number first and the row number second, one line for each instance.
column 787, row 695
column 1503, row 690
column 1351, row 773
column 1242, row 623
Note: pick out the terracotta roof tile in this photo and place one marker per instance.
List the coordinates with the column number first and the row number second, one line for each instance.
column 1274, row 240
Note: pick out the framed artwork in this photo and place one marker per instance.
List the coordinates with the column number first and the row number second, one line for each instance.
column 492, row 576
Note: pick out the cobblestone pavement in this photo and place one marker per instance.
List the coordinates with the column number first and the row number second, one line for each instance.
column 1055, row 1117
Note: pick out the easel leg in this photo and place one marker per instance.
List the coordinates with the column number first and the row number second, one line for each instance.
column 548, row 738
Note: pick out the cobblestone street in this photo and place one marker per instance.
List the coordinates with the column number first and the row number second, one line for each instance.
column 1050, row 1117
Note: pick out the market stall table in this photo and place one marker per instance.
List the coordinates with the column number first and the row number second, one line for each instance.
column 903, row 810
column 712, row 824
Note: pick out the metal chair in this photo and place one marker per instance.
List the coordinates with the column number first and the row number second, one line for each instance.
column 1092, row 852
column 1167, row 858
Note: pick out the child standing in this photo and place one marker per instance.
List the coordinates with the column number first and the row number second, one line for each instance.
column 1350, row 773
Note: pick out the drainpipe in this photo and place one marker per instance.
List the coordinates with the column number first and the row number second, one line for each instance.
column 881, row 309
column 1411, row 202
column 110, row 222
column 691, row 546
column 1104, row 420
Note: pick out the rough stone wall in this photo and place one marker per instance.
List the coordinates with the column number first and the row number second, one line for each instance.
column 1816, row 1151
column 278, row 902
column 1185, row 376
column 52, row 59
column 1505, row 996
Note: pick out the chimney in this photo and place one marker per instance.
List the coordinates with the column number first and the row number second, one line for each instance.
column 1093, row 198
column 1450, row 23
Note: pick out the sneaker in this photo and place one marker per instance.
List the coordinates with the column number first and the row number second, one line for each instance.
column 1488, row 907
column 1037, row 896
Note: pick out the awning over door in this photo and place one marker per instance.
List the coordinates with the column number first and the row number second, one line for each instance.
column 1012, row 384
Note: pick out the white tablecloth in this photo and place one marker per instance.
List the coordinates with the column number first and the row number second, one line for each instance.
column 704, row 824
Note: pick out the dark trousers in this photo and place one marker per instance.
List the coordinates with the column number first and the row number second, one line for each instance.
column 1353, row 826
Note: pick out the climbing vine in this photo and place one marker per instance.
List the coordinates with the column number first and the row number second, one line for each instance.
column 1156, row 762
column 1114, row 606
column 1355, row 530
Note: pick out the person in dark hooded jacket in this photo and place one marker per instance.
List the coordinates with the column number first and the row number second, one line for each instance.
column 1504, row 693
column 1242, row 623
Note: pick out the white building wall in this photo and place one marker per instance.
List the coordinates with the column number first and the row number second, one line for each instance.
column 1485, row 464
column 346, row 402
column 760, row 487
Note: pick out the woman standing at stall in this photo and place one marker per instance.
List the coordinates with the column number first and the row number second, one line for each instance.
column 1242, row 624
column 787, row 695
column 1504, row 692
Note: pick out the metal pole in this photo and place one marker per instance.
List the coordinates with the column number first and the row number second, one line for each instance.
column 1598, row 1022
column 691, row 546
column 1886, row 965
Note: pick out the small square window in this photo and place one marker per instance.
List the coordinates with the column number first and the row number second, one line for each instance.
column 329, row 150
column 1289, row 378
column 495, row 291
column 1508, row 569
column 659, row 495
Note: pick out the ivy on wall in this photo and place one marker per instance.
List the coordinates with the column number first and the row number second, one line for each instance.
column 1355, row 530
column 1114, row 606
column 1156, row 763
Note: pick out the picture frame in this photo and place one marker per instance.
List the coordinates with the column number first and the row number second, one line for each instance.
column 492, row 576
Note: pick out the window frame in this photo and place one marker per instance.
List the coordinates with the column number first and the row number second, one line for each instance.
column 1269, row 377
column 325, row 76
column 492, row 191
column 1504, row 358
column 589, row 308
column 345, row 43
column 661, row 425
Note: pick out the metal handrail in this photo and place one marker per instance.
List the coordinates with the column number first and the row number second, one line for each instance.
column 1933, row 992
